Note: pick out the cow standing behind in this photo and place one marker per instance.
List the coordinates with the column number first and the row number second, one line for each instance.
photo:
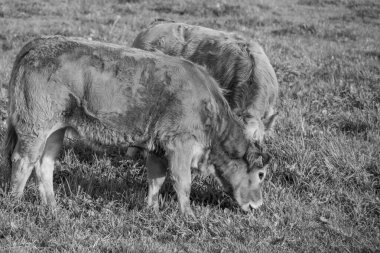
column 111, row 95
column 240, row 67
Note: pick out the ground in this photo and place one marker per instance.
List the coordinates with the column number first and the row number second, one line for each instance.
column 322, row 191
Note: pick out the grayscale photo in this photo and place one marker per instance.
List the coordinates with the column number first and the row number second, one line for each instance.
column 190, row 126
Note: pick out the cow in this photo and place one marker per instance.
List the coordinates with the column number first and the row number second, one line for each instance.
column 240, row 67
column 110, row 95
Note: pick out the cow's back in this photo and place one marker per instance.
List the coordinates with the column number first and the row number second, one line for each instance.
column 240, row 66
column 131, row 93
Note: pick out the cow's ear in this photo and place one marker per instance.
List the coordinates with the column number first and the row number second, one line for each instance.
column 258, row 162
column 266, row 158
column 270, row 122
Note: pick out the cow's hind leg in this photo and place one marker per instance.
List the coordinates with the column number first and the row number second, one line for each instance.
column 157, row 168
column 45, row 168
column 180, row 157
column 24, row 157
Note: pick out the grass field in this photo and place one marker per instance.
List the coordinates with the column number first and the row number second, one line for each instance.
column 322, row 193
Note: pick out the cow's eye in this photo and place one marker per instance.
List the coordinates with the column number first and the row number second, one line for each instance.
column 261, row 175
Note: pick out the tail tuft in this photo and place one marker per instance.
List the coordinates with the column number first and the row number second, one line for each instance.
column 10, row 142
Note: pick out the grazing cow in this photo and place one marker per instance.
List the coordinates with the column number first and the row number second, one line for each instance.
column 240, row 67
column 111, row 95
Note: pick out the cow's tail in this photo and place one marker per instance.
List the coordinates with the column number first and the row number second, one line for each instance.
column 10, row 142
column 10, row 138
column 17, row 71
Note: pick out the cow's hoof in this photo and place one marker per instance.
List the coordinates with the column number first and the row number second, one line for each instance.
column 153, row 207
column 189, row 214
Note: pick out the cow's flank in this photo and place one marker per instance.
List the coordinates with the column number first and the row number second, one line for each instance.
column 240, row 66
column 110, row 95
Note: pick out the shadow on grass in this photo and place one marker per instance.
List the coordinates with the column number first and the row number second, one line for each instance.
column 113, row 177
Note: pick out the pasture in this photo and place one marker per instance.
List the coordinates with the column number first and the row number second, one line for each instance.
column 322, row 190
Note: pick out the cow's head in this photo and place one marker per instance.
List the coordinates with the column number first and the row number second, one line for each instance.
column 248, row 192
column 243, row 178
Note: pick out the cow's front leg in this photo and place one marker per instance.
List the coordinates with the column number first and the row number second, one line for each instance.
column 156, row 168
column 180, row 167
column 182, row 186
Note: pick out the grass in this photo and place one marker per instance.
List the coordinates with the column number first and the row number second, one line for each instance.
column 322, row 191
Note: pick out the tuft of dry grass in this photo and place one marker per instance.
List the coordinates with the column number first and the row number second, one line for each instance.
column 322, row 191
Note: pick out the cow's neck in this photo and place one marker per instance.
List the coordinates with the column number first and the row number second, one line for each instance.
column 231, row 138
column 223, row 170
